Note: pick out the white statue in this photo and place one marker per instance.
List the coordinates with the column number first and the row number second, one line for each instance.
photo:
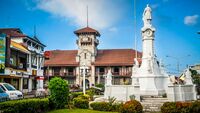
column 186, row 77
column 108, row 78
column 147, row 16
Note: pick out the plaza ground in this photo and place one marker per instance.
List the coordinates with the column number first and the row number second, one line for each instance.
column 78, row 111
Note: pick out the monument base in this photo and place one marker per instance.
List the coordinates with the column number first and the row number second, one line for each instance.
column 152, row 84
column 181, row 92
column 120, row 92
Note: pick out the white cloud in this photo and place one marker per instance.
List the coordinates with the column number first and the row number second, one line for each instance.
column 113, row 29
column 102, row 14
column 191, row 20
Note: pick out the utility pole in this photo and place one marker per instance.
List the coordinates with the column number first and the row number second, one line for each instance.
column 178, row 61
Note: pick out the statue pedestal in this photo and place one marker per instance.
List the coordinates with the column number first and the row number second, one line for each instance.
column 152, row 85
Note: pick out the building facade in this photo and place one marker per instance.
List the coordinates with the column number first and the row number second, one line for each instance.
column 24, row 60
column 67, row 63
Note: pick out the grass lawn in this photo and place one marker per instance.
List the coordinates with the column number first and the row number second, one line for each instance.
column 77, row 111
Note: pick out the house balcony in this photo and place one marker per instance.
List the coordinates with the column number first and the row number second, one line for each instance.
column 119, row 74
column 100, row 73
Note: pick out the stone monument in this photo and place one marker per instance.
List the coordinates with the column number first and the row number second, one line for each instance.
column 150, row 79
column 149, row 74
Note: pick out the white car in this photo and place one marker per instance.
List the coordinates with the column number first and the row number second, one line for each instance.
column 11, row 91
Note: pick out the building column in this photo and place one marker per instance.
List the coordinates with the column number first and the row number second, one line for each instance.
column 92, row 75
column 78, row 76
column 21, row 84
column 29, row 85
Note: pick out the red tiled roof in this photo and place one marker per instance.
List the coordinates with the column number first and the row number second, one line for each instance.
column 116, row 57
column 87, row 30
column 12, row 32
column 61, row 58
column 107, row 57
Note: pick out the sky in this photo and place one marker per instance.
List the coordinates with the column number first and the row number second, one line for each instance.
column 176, row 21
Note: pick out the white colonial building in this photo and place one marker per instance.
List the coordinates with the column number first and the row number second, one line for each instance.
column 25, row 61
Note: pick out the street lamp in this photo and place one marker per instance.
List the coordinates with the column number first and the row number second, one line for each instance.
column 84, row 69
column 178, row 61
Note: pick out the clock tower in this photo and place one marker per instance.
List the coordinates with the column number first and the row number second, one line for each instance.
column 87, row 45
column 151, row 79
column 148, row 57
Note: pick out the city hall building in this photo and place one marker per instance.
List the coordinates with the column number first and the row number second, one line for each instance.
column 67, row 63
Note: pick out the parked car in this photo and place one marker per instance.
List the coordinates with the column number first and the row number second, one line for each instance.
column 3, row 95
column 11, row 91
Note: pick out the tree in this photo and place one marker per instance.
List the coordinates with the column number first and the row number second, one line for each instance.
column 195, row 77
column 59, row 92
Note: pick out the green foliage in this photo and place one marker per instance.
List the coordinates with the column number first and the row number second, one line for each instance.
column 82, row 103
column 168, row 107
column 59, row 93
column 106, row 106
column 76, row 94
column 111, row 100
column 164, row 95
column 195, row 77
column 132, row 106
column 132, row 97
column 195, row 107
column 91, row 92
column 100, row 106
column 100, row 86
column 181, row 107
column 25, row 106
column 86, row 97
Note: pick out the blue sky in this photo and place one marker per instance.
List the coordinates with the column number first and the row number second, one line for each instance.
column 176, row 23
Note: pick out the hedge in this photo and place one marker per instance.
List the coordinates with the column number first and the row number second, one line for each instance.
column 81, row 103
column 106, row 106
column 25, row 106
column 132, row 106
column 181, row 107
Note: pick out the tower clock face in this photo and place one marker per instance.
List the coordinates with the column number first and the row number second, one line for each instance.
column 149, row 32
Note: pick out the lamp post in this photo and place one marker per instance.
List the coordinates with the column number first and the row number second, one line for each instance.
column 178, row 61
column 83, row 69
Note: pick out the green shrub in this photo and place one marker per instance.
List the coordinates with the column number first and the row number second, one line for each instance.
column 91, row 92
column 76, row 94
column 106, row 106
column 100, row 86
column 59, row 93
column 181, row 107
column 116, row 107
column 25, row 106
column 169, row 107
column 86, row 97
column 195, row 107
column 81, row 103
column 100, row 106
column 132, row 106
